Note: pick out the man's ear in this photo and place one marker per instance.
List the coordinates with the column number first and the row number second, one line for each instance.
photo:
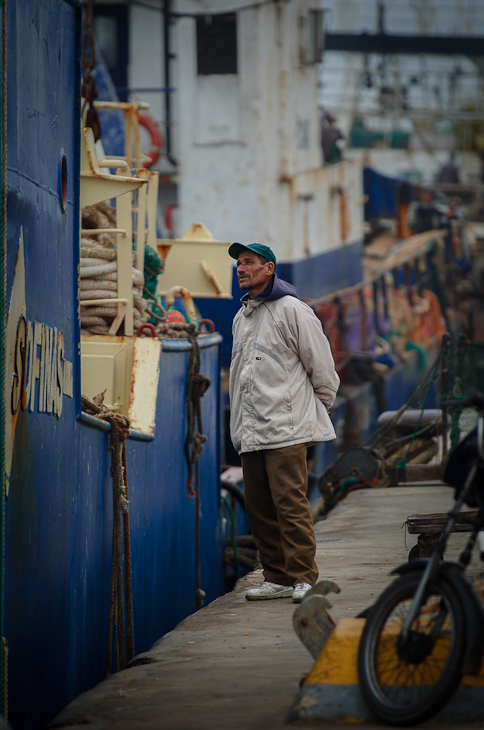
column 272, row 268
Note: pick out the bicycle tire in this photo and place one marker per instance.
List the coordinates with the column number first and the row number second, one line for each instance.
column 403, row 690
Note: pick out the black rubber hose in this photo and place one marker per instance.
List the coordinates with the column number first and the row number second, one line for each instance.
column 235, row 491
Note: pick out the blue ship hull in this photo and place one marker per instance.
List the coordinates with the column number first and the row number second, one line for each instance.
column 59, row 505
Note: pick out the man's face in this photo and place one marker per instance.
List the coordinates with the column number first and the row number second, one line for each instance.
column 253, row 276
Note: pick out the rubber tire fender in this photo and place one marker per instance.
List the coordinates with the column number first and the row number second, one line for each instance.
column 472, row 605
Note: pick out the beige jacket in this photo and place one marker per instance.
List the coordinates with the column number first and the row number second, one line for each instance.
column 282, row 376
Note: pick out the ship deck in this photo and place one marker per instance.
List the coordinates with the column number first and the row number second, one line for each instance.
column 238, row 664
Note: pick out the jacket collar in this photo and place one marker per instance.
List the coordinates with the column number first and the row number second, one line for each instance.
column 249, row 304
column 275, row 289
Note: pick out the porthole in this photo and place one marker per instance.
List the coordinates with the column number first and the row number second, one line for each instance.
column 63, row 181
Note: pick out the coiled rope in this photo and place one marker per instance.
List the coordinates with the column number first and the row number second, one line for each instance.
column 121, row 586
column 99, row 277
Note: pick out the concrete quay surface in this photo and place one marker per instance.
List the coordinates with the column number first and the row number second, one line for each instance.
column 237, row 663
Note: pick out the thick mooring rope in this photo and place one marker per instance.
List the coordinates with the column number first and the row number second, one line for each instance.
column 121, row 585
column 199, row 593
column 197, row 384
column 99, row 273
column 99, row 280
column 127, row 565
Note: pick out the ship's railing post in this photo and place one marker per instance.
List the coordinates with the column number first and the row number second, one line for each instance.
column 152, row 208
column 124, row 221
column 141, row 221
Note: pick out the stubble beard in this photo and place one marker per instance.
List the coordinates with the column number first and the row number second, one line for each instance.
column 245, row 285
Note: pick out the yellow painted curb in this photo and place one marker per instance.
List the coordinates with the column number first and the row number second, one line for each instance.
column 337, row 663
column 331, row 691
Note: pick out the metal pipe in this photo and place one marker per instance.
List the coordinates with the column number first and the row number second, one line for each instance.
column 111, row 162
column 122, row 105
column 96, row 231
column 168, row 57
column 99, row 302
column 181, row 291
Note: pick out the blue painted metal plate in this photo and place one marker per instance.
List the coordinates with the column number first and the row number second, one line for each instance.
column 59, row 508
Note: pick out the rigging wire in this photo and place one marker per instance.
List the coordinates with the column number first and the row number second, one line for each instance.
column 202, row 13
column 237, row 9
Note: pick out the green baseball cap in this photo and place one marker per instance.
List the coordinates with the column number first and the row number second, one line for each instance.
column 237, row 248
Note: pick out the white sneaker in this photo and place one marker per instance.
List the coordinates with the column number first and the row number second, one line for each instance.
column 300, row 590
column 268, row 590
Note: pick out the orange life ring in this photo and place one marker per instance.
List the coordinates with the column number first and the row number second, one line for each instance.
column 155, row 137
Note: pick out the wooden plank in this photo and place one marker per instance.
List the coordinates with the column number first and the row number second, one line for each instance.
column 440, row 516
column 433, row 524
column 421, row 473
column 436, row 529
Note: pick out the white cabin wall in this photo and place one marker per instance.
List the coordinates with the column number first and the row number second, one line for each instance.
column 303, row 214
column 264, row 69
column 249, row 144
column 320, row 221
column 217, row 184
column 312, row 219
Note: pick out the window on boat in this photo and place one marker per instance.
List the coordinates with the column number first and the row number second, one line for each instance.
column 217, row 44
column 311, row 42
column 112, row 39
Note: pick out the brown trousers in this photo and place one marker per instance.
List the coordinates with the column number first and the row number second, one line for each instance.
column 275, row 487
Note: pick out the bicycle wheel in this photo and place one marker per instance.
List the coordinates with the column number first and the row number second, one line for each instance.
column 408, row 684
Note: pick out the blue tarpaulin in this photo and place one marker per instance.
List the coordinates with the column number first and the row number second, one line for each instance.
column 384, row 194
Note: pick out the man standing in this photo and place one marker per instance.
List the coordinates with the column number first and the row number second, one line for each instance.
column 282, row 384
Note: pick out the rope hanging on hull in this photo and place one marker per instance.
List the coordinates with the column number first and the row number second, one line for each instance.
column 197, row 385
column 121, row 585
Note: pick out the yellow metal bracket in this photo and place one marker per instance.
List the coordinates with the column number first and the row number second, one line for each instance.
column 96, row 185
column 198, row 262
